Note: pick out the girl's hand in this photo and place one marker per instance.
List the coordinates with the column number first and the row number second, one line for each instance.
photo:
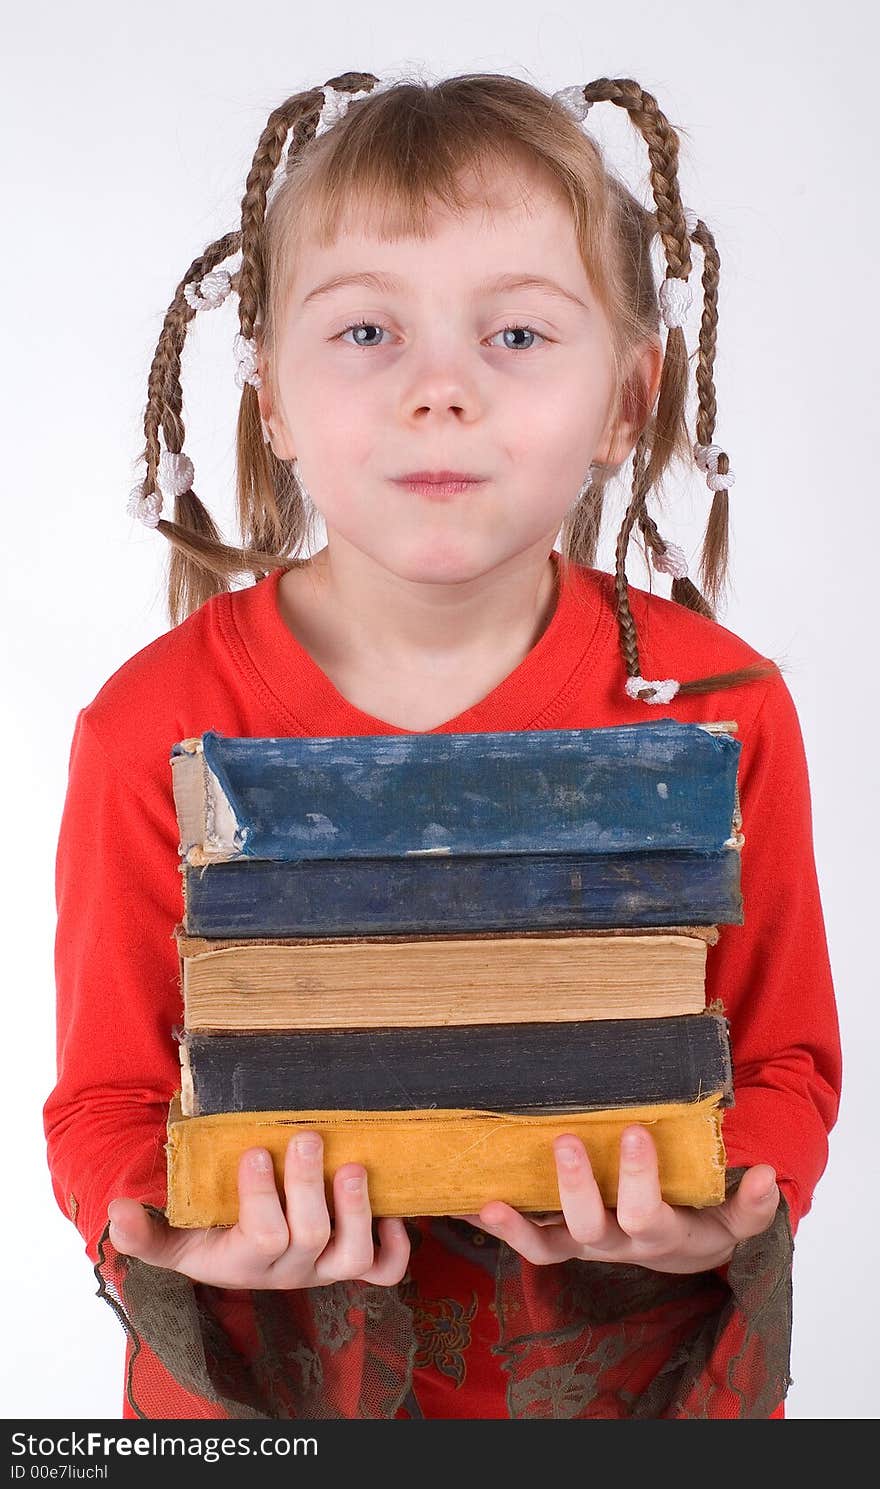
column 644, row 1229
column 271, row 1247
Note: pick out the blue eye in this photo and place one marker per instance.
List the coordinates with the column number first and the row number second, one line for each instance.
column 360, row 326
column 372, row 326
column 531, row 331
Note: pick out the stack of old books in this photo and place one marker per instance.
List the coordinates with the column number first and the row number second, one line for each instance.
column 441, row 950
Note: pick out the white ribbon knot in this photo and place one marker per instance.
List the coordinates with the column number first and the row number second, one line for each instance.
column 673, row 561
column 174, row 476
column 573, row 100
column 246, row 362
column 664, row 691
column 209, row 292
column 706, row 457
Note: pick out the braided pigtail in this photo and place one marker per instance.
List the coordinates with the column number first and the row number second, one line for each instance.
column 668, row 435
column 270, row 501
column 199, row 559
column 711, row 458
column 272, row 506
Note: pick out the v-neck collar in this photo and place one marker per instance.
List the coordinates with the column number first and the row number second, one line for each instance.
column 531, row 696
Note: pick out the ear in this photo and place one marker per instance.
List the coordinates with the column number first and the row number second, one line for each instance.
column 639, row 398
column 281, row 441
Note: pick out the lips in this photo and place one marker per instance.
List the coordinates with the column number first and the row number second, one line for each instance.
column 440, row 477
column 439, row 485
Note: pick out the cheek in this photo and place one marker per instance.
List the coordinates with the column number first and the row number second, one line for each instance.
column 338, row 440
column 555, row 436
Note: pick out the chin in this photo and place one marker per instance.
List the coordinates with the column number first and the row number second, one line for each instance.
column 445, row 562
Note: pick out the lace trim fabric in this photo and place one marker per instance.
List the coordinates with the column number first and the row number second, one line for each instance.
column 576, row 1340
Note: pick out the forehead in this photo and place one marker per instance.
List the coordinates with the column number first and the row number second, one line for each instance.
column 509, row 219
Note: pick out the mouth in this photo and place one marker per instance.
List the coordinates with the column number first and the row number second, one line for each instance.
column 439, row 484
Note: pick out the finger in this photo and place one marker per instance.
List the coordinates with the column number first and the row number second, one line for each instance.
column 261, row 1225
column 308, row 1218
column 537, row 1245
column 537, row 1217
column 588, row 1221
column 642, row 1212
column 351, row 1251
column 393, row 1255
column 752, row 1208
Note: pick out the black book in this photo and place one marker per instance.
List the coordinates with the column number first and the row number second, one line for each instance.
column 582, row 1066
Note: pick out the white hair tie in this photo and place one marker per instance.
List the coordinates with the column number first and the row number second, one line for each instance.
column 174, row 476
column 664, row 691
column 209, row 292
column 245, row 349
column 146, row 509
column 336, row 102
column 706, row 457
column 675, row 301
column 673, row 561
column 675, row 294
column 573, row 100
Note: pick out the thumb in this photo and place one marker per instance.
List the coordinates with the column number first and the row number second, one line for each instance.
column 751, row 1209
column 133, row 1230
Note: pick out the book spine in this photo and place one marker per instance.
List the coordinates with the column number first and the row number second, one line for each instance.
column 326, row 897
column 441, row 1162
column 587, row 1066
column 630, row 788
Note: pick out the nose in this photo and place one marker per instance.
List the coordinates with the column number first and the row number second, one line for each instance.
column 443, row 382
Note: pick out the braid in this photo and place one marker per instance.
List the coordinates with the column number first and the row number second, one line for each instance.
column 271, row 503
column 670, row 436
column 629, row 641
column 713, row 567
column 662, row 143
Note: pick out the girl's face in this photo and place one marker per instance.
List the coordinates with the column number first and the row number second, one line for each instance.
column 433, row 381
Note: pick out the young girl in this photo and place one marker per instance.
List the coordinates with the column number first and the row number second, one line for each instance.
column 450, row 342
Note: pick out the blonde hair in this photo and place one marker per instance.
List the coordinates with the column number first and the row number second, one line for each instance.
column 399, row 153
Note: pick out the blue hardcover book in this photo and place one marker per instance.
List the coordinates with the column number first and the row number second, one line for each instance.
column 629, row 789
column 474, row 892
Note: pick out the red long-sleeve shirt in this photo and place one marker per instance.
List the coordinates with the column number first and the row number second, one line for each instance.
column 235, row 667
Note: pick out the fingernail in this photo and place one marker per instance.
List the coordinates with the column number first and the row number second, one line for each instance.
column 307, row 1147
column 568, row 1157
column 631, row 1143
column 261, row 1163
column 353, row 1183
column 766, row 1192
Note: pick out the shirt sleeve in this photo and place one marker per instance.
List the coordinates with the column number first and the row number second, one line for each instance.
column 118, row 899
column 773, row 973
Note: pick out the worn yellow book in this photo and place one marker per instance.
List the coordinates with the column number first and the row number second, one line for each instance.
column 442, row 1162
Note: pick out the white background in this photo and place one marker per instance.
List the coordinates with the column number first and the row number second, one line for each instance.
column 128, row 132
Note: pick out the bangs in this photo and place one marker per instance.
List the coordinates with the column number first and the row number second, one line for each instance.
column 400, row 156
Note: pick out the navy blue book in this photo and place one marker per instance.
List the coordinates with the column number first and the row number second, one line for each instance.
column 411, row 896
